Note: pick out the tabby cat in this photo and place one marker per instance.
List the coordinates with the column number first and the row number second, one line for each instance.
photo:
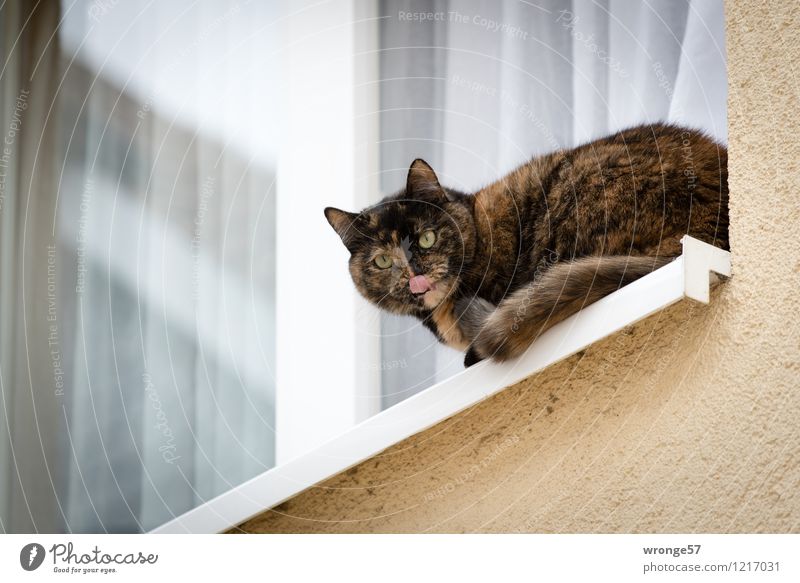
column 490, row 271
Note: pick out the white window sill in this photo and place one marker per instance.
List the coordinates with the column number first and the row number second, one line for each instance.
column 689, row 276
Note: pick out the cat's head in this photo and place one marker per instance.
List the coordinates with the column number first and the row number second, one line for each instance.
column 408, row 251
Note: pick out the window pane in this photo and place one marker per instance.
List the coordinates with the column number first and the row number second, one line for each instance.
column 167, row 213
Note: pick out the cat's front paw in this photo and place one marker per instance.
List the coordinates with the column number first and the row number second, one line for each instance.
column 497, row 340
column 471, row 358
column 488, row 343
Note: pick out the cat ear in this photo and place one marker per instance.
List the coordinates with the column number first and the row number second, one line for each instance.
column 422, row 183
column 343, row 223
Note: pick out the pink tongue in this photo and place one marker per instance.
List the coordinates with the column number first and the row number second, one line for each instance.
column 419, row 284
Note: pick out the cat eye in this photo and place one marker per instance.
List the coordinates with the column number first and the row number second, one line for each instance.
column 427, row 239
column 383, row 261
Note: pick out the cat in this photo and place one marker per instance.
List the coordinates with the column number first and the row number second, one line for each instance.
column 490, row 271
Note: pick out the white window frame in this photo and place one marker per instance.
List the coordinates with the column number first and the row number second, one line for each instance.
column 326, row 379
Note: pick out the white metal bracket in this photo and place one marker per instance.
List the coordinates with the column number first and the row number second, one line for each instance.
column 701, row 265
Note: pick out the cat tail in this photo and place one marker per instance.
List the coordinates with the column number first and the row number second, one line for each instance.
column 561, row 291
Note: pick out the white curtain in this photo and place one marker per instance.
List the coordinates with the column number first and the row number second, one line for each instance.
column 484, row 85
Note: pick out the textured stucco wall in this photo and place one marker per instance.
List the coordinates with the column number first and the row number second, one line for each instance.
column 690, row 421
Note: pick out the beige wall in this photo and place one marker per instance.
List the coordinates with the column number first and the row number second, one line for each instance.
column 690, row 421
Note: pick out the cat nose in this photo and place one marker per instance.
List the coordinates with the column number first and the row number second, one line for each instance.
column 414, row 267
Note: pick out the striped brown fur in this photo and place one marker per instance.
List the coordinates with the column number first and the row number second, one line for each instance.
column 531, row 249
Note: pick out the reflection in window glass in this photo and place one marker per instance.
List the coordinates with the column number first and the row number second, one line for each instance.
column 167, row 213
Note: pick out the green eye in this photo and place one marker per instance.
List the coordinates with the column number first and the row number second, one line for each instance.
column 427, row 239
column 383, row 261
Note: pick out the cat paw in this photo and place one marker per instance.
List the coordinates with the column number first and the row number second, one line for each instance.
column 488, row 345
column 496, row 340
column 471, row 358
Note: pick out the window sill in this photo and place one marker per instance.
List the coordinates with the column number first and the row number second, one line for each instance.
column 689, row 276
